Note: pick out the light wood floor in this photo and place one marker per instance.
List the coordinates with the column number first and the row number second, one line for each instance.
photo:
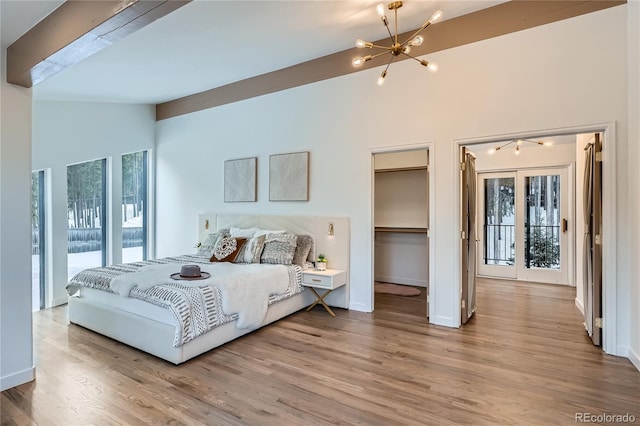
column 523, row 360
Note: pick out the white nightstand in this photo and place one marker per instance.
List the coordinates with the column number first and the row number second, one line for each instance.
column 329, row 280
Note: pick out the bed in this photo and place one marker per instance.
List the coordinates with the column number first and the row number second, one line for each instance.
column 153, row 318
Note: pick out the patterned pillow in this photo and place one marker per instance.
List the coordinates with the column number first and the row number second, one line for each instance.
column 227, row 249
column 209, row 245
column 279, row 249
column 251, row 251
column 303, row 248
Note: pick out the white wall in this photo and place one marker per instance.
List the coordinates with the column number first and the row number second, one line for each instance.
column 402, row 199
column 538, row 79
column 634, row 176
column 16, row 347
column 66, row 133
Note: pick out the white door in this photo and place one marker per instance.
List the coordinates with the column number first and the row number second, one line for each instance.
column 497, row 227
column 525, row 221
column 543, row 226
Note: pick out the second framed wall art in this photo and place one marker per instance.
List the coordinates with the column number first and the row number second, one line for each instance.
column 289, row 177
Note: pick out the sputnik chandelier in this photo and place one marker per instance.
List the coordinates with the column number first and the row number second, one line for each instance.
column 519, row 143
column 397, row 48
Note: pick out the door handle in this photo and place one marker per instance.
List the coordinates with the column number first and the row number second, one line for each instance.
column 565, row 225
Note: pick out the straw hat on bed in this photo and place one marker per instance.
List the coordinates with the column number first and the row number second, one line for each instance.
column 190, row 272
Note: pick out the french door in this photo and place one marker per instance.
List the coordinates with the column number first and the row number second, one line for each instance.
column 524, row 225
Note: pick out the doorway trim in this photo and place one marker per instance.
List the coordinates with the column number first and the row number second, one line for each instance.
column 609, row 274
column 429, row 146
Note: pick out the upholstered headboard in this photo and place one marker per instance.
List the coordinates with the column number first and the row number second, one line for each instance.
column 335, row 247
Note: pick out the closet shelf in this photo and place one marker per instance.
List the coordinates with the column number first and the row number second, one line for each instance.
column 401, row 229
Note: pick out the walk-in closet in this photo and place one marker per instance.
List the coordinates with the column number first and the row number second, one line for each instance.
column 401, row 218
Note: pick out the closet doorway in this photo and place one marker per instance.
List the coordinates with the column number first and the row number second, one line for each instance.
column 401, row 231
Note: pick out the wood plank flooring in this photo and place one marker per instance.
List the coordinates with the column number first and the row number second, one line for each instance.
column 523, row 360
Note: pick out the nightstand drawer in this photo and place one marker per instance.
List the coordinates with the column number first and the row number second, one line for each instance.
column 317, row 280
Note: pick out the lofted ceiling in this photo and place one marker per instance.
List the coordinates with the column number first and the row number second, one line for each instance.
column 207, row 44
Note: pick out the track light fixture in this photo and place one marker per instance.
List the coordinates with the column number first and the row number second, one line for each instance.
column 519, row 143
column 397, row 48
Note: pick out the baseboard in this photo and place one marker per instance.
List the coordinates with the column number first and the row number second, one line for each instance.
column 59, row 301
column 16, row 379
column 361, row 307
column 399, row 280
column 580, row 306
column 445, row 321
column 634, row 358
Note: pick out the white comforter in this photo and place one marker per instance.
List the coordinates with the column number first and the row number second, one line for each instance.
column 245, row 288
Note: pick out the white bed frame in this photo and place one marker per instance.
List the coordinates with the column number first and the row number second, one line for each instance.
column 156, row 337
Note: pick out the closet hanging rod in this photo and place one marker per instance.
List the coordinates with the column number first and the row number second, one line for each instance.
column 401, row 230
column 402, row 169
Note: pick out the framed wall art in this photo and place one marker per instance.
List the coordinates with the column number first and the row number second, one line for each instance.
column 240, row 180
column 289, row 177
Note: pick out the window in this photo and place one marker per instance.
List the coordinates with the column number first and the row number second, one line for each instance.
column 37, row 240
column 86, row 215
column 134, row 207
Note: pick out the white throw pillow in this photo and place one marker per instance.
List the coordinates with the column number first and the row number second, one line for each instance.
column 243, row 232
column 260, row 232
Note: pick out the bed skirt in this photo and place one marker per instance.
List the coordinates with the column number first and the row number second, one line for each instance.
column 157, row 338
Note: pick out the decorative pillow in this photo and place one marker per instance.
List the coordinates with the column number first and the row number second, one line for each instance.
column 279, row 249
column 209, row 245
column 267, row 231
column 243, row 232
column 227, row 249
column 303, row 248
column 251, row 251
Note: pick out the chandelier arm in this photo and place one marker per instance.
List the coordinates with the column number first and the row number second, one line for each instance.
column 380, row 54
column 386, row 25
column 389, row 64
column 417, row 32
column 381, row 47
column 412, row 57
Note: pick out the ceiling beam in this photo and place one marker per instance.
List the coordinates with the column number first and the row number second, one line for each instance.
column 481, row 25
column 76, row 30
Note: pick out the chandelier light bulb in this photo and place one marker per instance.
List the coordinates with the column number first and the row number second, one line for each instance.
column 381, row 78
column 406, row 49
column 492, row 151
column 360, row 60
column 417, row 41
column 548, row 143
column 432, row 67
column 517, row 150
column 435, row 17
column 360, row 43
column 381, row 10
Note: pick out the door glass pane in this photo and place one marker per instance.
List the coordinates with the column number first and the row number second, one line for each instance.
column 542, row 222
column 499, row 221
column 134, row 207
column 86, row 232
column 37, row 240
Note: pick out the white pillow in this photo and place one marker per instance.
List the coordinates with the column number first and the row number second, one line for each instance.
column 243, row 232
column 260, row 232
